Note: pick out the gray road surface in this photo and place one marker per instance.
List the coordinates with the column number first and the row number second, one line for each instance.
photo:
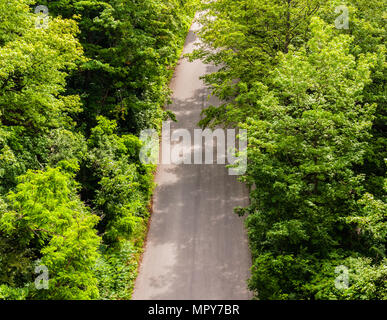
column 197, row 247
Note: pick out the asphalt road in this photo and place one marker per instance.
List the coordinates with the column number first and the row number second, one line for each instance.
column 197, row 246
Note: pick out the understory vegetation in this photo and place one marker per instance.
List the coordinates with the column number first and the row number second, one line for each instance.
column 312, row 95
column 74, row 95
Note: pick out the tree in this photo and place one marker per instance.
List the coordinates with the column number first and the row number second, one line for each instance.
column 45, row 212
column 125, row 185
column 312, row 100
column 244, row 38
column 58, row 139
column 131, row 48
column 33, row 68
column 306, row 135
column 34, row 65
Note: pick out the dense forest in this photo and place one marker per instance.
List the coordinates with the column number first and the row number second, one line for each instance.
column 79, row 83
column 311, row 91
column 74, row 95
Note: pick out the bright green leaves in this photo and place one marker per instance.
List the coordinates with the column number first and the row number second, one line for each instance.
column 370, row 223
column 247, row 36
column 45, row 210
column 324, row 73
column 71, row 258
column 41, row 202
column 303, row 147
column 20, row 150
column 14, row 20
column 366, row 279
column 46, row 86
column 312, row 100
column 33, row 76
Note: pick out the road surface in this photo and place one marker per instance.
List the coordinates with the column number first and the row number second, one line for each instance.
column 197, row 246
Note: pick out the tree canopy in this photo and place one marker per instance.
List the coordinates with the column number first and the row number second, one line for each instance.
column 313, row 99
column 75, row 91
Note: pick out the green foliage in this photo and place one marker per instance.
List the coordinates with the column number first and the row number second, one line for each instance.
column 312, row 99
column 45, row 211
column 21, row 150
column 60, row 87
column 116, row 272
column 247, row 36
column 9, row 293
column 131, row 48
column 125, row 185
column 366, row 279
column 34, row 66
column 33, row 69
